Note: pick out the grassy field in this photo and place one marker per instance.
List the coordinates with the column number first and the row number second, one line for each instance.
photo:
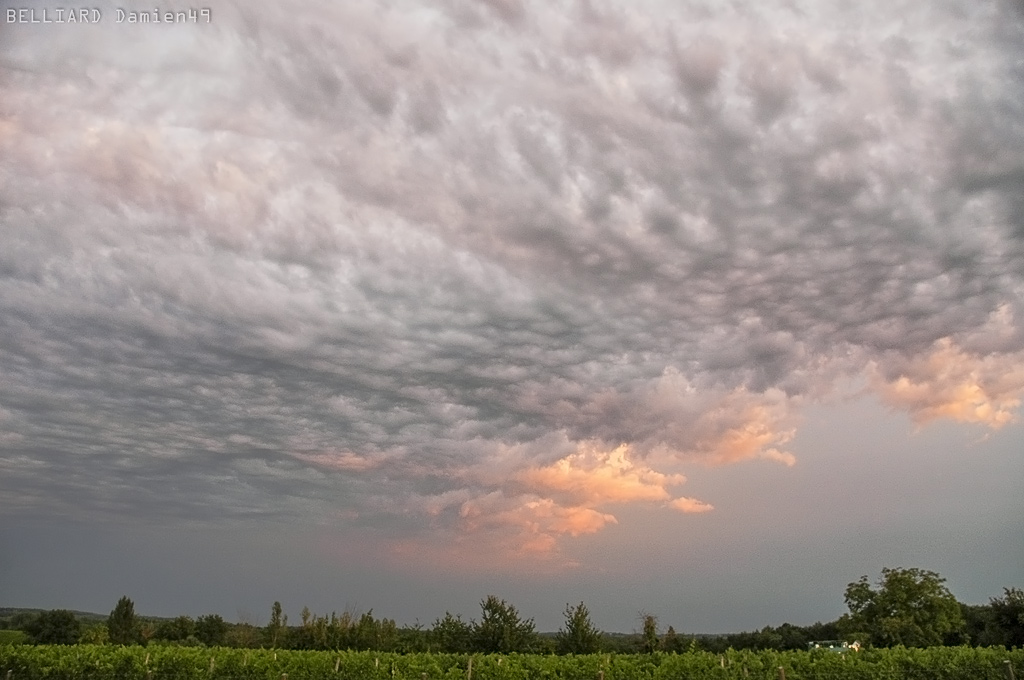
column 88, row 662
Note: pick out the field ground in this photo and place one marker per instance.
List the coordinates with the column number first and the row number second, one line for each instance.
column 90, row 662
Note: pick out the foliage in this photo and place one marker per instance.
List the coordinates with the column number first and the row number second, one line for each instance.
column 782, row 638
column 501, row 630
column 579, row 635
column 451, row 634
column 412, row 639
column 211, row 630
column 277, row 626
column 375, row 634
column 89, row 662
column 649, row 640
column 55, row 627
column 95, row 634
column 176, row 630
column 1008, row 616
column 979, row 627
column 344, row 632
column 911, row 607
column 670, row 641
column 123, row 627
column 243, row 635
column 18, row 619
column 14, row 637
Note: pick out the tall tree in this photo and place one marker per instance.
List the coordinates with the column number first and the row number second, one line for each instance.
column 501, row 630
column 366, row 631
column 579, row 635
column 649, row 639
column 910, row 607
column 122, row 625
column 339, row 630
column 672, row 641
column 277, row 626
column 55, row 627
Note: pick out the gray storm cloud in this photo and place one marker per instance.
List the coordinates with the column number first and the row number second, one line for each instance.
column 438, row 265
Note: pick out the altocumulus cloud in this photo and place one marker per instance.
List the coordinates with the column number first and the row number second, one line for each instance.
column 492, row 269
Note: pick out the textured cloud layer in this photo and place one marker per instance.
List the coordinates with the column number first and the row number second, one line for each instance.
column 493, row 268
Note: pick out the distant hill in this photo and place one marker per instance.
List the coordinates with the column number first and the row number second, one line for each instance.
column 8, row 613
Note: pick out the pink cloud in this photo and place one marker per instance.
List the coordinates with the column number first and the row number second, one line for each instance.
column 690, row 505
column 952, row 383
column 594, row 476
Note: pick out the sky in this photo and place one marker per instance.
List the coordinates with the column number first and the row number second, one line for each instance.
column 698, row 308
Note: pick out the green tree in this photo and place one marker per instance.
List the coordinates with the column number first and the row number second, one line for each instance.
column 794, row 637
column 649, row 641
column 96, row 634
column 339, row 630
column 243, row 635
column 277, row 626
column 319, row 628
column 412, row 639
column 451, row 634
column 305, row 636
column 55, row 627
column 19, row 620
column 911, row 607
column 579, row 635
column 671, row 642
column 122, row 625
column 1008, row 616
column 501, row 630
column 177, row 629
column 376, row 634
column 211, row 630
column 366, row 632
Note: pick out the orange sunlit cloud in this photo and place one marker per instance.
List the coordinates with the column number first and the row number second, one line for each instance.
column 543, row 504
column 533, row 514
column 690, row 505
column 545, row 513
column 592, row 476
column 529, row 509
column 784, row 457
column 511, row 507
column 527, row 525
column 744, row 425
column 952, row 383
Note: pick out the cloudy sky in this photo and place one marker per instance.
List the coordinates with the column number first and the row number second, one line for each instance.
column 704, row 308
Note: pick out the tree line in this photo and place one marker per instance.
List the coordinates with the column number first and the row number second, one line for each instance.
column 906, row 607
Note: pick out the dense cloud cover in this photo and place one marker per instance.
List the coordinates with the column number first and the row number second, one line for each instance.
column 493, row 268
